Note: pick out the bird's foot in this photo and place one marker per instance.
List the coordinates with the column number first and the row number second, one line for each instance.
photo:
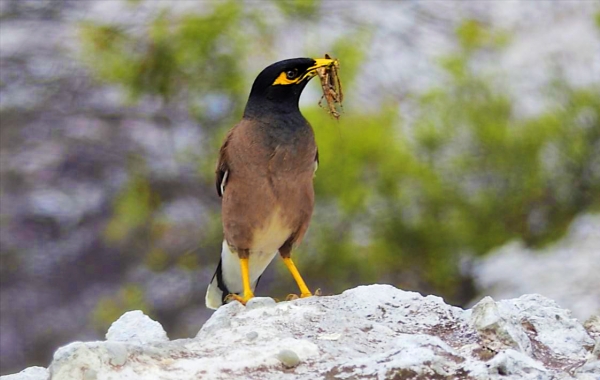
column 240, row 299
column 291, row 297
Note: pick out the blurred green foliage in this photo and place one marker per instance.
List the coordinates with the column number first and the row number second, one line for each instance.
column 182, row 57
column 109, row 309
column 307, row 9
column 132, row 208
column 400, row 200
column 464, row 176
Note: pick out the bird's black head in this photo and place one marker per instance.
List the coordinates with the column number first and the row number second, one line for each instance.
column 277, row 88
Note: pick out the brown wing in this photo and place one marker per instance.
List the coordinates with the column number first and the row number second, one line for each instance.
column 222, row 171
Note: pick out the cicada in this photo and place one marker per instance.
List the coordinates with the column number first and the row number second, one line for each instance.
column 332, row 87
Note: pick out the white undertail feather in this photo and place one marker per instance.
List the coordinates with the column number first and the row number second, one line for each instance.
column 231, row 274
column 266, row 242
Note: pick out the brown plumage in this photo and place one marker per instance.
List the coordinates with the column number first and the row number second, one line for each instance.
column 265, row 178
column 269, row 186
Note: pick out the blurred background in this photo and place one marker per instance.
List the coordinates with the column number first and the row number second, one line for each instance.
column 467, row 161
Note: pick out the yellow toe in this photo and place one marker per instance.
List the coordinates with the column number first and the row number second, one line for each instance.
column 291, row 297
column 240, row 299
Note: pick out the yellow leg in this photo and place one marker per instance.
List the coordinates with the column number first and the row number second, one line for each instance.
column 304, row 292
column 245, row 282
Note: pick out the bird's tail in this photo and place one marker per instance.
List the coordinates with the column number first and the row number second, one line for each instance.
column 217, row 290
column 228, row 277
column 226, row 280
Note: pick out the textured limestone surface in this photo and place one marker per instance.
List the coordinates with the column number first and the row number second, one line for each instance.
column 370, row 332
column 31, row 373
column 136, row 327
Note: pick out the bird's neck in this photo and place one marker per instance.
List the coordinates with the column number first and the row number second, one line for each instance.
column 259, row 108
column 276, row 118
column 280, row 125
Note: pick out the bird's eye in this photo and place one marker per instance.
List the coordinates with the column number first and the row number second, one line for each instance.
column 291, row 74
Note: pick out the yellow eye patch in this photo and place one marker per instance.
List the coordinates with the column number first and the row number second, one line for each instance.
column 283, row 79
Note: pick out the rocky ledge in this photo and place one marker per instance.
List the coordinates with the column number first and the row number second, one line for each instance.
column 370, row 332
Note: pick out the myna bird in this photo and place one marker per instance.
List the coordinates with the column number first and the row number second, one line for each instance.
column 265, row 176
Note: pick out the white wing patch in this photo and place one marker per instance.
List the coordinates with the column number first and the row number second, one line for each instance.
column 316, row 166
column 224, row 181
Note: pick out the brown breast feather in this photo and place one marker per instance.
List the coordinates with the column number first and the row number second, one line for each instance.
column 269, row 194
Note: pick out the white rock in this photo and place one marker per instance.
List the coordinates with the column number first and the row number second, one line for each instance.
column 118, row 353
column 590, row 370
column 136, row 327
column 258, row 302
column 410, row 355
column 566, row 271
column 592, row 325
column 288, row 358
column 79, row 360
column 375, row 332
column 221, row 319
column 547, row 324
column 514, row 363
column 252, row 335
column 595, row 355
column 31, row 373
column 498, row 330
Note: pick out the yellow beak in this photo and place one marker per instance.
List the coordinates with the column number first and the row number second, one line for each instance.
column 319, row 62
column 322, row 62
column 310, row 72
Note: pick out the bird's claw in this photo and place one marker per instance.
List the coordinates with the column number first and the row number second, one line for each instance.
column 292, row 297
column 240, row 299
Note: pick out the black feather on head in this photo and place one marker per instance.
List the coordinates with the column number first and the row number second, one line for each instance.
column 268, row 97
